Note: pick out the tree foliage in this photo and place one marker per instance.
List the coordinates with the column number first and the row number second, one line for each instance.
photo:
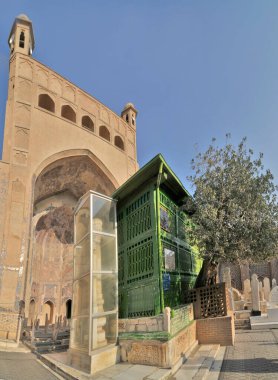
column 236, row 207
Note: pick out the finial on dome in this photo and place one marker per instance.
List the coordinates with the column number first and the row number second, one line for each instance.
column 23, row 17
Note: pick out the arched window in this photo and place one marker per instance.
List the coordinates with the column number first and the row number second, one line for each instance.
column 119, row 142
column 21, row 40
column 87, row 122
column 68, row 113
column 46, row 102
column 68, row 309
column 104, row 132
column 48, row 311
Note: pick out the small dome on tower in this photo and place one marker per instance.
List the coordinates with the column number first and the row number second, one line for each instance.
column 129, row 105
column 23, row 16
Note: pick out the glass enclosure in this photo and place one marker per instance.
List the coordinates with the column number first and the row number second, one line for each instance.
column 95, row 286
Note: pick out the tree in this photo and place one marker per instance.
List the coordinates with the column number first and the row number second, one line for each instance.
column 236, row 211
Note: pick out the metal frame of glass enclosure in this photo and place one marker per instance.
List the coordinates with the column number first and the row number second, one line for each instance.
column 95, row 286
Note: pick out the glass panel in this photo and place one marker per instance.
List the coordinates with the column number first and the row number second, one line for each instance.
column 104, row 288
column 169, row 256
column 104, row 253
column 103, row 215
column 167, row 220
column 104, row 330
column 82, row 258
column 82, row 221
column 81, row 298
column 79, row 334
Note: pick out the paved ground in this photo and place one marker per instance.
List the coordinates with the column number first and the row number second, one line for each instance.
column 254, row 356
column 21, row 366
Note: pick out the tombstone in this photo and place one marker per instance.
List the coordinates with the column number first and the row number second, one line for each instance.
column 236, row 294
column 238, row 300
column 37, row 323
column 231, row 299
column 273, row 283
column 227, row 277
column 46, row 322
column 273, row 295
column 266, row 288
column 255, row 295
column 261, row 291
column 33, row 333
column 247, row 289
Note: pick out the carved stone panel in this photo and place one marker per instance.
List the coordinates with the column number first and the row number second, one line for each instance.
column 150, row 354
column 25, row 91
column 55, row 85
column 130, row 135
column 131, row 167
column 16, row 218
column 122, row 128
column 21, row 139
column 89, row 104
column 104, row 115
column 23, row 114
column 130, row 150
column 42, row 77
column 25, row 69
column 114, row 122
column 4, row 183
column 20, row 157
column 18, row 191
column 69, row 93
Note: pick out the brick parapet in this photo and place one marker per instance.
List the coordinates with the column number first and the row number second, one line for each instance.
column 219, row 330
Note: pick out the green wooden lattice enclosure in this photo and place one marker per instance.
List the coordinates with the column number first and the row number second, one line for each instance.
column 157, row 266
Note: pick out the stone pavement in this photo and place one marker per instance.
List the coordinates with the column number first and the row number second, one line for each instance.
column 254, row 356
column 23, row 366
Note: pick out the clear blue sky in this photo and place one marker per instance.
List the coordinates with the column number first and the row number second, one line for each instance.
column 194, row 69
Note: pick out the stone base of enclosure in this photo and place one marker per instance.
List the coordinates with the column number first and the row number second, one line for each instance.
column 218, row 330
column 158, row 353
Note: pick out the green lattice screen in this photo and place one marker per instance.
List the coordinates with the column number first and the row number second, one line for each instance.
column 140, row 260
column 138, row 217
column 143, row 301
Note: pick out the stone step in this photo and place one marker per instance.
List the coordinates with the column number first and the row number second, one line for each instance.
column 242, row 324
column 52, row 348
column 199, row 363
column 44, row 343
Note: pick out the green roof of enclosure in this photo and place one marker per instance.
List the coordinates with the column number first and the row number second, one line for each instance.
column 151, row 171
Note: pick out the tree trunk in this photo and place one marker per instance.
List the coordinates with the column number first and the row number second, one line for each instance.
column 207, row 275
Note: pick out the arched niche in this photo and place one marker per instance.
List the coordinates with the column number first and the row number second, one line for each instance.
column 46, row 102
column 104, row 132
column 68, row 113
column 57, row 188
